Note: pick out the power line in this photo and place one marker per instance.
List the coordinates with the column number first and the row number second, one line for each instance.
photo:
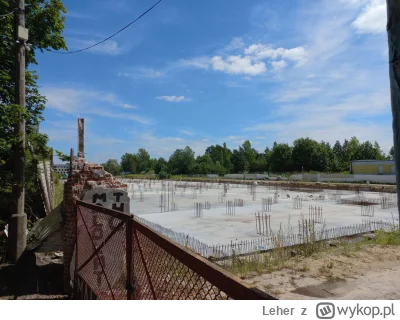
column 113, row 35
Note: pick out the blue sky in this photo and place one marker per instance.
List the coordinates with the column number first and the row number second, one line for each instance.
column 199, row 73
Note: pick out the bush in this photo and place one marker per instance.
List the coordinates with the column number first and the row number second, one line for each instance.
column 163, row 175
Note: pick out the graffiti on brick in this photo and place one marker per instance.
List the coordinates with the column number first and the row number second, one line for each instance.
column 111, row 199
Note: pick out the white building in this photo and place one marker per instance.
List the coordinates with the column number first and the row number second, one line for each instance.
column 61, row 168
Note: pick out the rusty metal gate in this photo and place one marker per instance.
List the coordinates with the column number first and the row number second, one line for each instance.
column 118, row 258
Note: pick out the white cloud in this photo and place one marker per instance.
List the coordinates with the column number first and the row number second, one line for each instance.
column 142, row 72
column 77, row 15
column 238, row 65
column 293, row 94
column 186, row 132
column 236, row 43
column 165, row 145
column 173, row 98
column 278, row 65
column 81, row 101
column 199, row 62
column 234, row 84
column 372, row 19
column 128, row 106
column 329, row 131
column 261, row 52
column 342, row 89
column 251, row 62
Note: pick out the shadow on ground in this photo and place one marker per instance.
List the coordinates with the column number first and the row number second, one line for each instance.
column 35, row 276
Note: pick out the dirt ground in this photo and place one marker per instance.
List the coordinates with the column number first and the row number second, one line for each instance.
column 35, row 277
column 373, row 272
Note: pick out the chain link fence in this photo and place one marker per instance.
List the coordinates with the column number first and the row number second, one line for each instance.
column 118, row 257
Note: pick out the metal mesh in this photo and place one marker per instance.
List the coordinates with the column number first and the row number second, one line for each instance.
column 161, row 276
column 104, row 269
column 120, row 258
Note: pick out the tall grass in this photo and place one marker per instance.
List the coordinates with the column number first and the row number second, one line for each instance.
column 58, row 194
column 314, row 244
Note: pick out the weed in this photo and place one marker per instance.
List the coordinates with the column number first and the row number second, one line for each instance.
column 387, row 238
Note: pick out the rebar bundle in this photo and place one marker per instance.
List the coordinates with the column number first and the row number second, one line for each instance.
column 239, row 202
column 315, row 214
column 174, row 206
column 230, row 208
column 387, row 204
column 368, row 210
column 266, row 204
column 297, row 203
column 275, row 200
column 198, row 209
column 263, row 223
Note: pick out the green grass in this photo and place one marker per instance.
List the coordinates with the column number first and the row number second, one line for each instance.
column 391, row 238
column 58, row 195
column 282, row 257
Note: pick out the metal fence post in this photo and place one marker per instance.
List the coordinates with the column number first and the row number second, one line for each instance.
column 129, row 255
column 75, row 285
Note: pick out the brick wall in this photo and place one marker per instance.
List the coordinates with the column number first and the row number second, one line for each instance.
column 85, row 176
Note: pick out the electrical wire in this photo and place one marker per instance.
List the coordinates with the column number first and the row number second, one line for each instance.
column 113, row 35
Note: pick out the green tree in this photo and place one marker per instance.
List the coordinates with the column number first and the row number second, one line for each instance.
column 204, row 164
column 306, row 155
column 227, row 164
column 181, row 161
column 45, row 20
column 112, row 166
column 238, row 160
column 391, row 153
column 161, row 165
column 267, row 154
column 380, row 155
column 144, row 164
column 281, row 158
column 129, row 162
column 249, row 152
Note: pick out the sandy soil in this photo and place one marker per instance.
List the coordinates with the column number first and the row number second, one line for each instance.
column 370, row 273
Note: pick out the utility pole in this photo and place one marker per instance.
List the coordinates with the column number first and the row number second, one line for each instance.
column 18, row 221
column 393, row 30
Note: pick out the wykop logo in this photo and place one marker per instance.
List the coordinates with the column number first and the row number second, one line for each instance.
column 325, row 310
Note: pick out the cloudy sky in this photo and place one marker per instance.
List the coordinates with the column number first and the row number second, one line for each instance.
column 199, row 73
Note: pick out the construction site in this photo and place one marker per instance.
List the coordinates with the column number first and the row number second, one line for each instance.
column 213, row 218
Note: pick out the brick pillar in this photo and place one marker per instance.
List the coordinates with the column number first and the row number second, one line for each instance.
column 84, row 176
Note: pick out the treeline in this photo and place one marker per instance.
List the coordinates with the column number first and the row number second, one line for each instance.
column 303, row 155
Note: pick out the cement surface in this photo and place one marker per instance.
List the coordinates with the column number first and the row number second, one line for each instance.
column 217, row 227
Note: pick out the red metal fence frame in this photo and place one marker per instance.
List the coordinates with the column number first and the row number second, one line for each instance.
column 230, row 285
